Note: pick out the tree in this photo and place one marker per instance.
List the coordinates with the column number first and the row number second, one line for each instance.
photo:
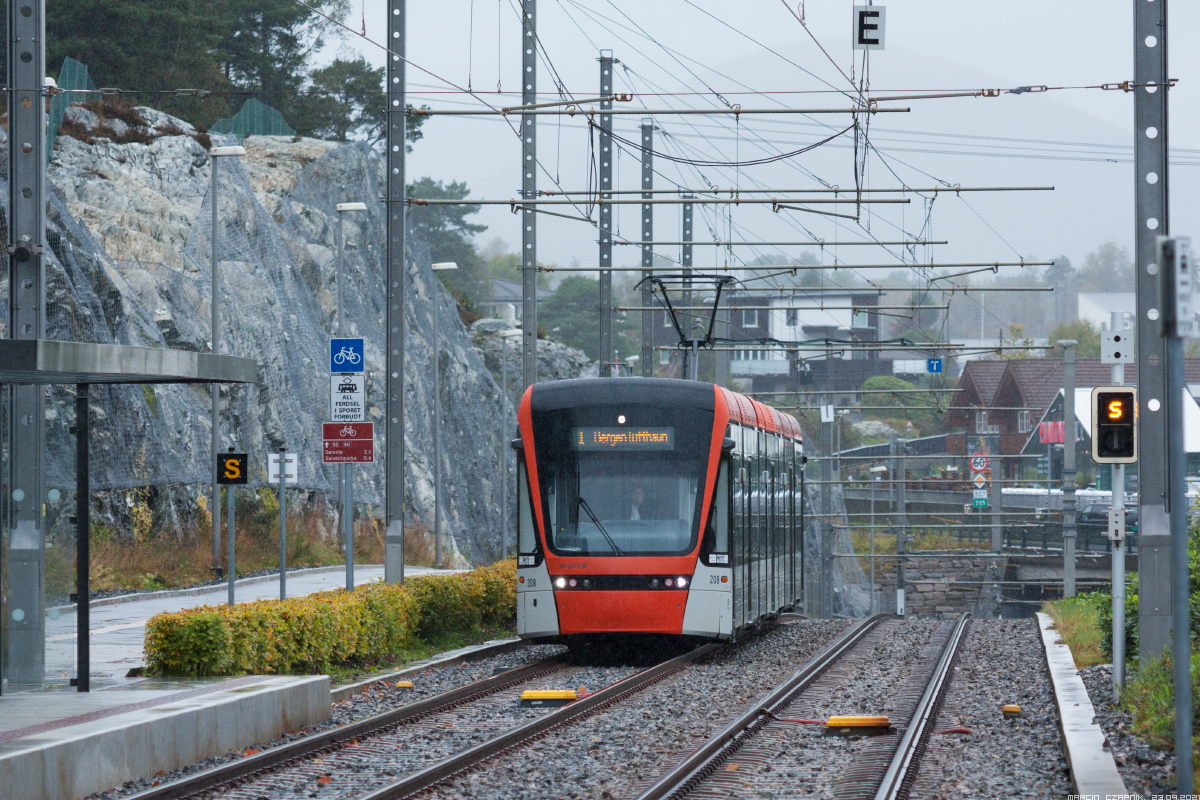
column 572, row 316
column 1108, row 268
column 144, row 45
column 910, row 406
column 449, row 236
column 347, row 99
column 1082, row 331
column 267, row 45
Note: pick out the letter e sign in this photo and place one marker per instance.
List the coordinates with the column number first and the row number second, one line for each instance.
column 869, row 23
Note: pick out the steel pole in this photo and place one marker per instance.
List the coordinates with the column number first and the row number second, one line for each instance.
column 437, row 437
column 1118, row 548
column 282, row 524
column 826, row 513
column 529, row 321
column 215, row 332
column 25, row 489
column 82, row 540
column 1151, row 218
column 1068, row 480
column 393, row 379
column 606, row 185
column 345, row 475
column 1175, row 264
column 230, row 570
column 504, row 448
column 902, row 530
column 647, row 250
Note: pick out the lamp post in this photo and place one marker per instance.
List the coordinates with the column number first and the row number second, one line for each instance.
column 235, row 151
column 345, row 471
column 437, row 427
column 504, row 337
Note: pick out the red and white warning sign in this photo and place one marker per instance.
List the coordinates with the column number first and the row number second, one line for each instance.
column 348, row 443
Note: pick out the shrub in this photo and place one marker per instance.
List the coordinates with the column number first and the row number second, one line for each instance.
column 309, row 634
column 1150, row 697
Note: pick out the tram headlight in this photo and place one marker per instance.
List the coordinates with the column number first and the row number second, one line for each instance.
column 587, row 583
column 573, row 583
column 667, row 582
column 654, row 581
column 561, row 583
column 681, row 582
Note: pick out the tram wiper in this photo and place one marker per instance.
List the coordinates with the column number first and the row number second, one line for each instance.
column 584, row 505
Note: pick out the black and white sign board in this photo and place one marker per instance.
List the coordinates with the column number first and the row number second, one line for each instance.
column 347, row 398
column 1116, row 347
column 290, row 473
column 869, row 23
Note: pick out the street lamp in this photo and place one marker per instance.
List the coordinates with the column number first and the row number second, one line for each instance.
column 345, row 471
column 504, row 337
column 217, row 152
column 437, row 427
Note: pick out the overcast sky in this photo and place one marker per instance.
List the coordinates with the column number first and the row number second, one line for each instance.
column 1078, row 141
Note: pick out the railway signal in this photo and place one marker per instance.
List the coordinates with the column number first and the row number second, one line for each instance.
column 1114, row 424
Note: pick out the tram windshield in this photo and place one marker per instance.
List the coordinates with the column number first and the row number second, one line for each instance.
column 622, row 489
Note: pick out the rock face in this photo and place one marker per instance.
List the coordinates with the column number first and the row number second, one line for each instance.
column 130, row 231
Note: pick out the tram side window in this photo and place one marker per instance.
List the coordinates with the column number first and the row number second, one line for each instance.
column 526, row 537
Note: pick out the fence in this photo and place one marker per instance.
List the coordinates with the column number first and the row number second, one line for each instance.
column 77, row 87
column 254, row 119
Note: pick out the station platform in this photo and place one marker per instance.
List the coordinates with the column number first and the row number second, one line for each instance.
column 60, row 744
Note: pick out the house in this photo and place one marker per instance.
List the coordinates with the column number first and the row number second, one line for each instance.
column 792, row 317
column 506, row 302
column 1097, row 308
column 1025, row 391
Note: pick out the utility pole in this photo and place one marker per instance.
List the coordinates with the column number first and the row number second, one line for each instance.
column 393, row 379
column 529, row 321
column 606, row 185
column 647, row 250
column 26, row 315
column 827, row 509
column 1175, row 303
column 1068, row 478
column 997, row 503
column 1116, row 325
column 1152, row 219
column 686, row 263
column 902, row 529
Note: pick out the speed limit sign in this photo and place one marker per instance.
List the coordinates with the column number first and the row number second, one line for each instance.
column 979, row 463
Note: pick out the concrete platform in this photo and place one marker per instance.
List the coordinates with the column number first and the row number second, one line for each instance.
column 57, row 745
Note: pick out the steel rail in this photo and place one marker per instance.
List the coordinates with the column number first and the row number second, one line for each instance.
column 902, row 772
column 266, row 760
column 691, row 771
column 534, row 728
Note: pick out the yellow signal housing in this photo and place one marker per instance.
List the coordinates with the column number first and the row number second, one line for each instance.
column 858, row 722
column 548, row 698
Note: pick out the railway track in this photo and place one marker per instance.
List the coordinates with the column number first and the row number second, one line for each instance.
column 258, row 765
column 883, row 769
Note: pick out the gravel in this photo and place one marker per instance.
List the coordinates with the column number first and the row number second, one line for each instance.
column 1002, row 662
column 379, row 697
column 1145, row 771
column 883, row 675
column 622, row 749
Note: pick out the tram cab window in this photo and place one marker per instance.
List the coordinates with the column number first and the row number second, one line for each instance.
column 633, row 490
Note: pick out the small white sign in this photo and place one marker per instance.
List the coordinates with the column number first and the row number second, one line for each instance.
column 347, row 398
column 869, row 25
column 1116, row 347
column 291, row 469
column 979, row 494
column 827, row 414
column 899, row 602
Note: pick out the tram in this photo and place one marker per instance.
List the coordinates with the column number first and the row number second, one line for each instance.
column 654, row 506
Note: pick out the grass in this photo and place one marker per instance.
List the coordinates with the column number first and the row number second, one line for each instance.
column 1077, row 621
column 1150, row 697
column 160, row 560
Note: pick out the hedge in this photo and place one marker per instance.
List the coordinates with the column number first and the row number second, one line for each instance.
column 308, row 634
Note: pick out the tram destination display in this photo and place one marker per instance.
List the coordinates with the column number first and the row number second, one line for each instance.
column 631, row 438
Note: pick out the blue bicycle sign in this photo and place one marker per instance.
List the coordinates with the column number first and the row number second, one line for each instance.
column 346, row 355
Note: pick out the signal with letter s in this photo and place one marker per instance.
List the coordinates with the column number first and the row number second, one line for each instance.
column 232, row 468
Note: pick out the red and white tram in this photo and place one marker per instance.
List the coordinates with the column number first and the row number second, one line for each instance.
column 650, row 506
